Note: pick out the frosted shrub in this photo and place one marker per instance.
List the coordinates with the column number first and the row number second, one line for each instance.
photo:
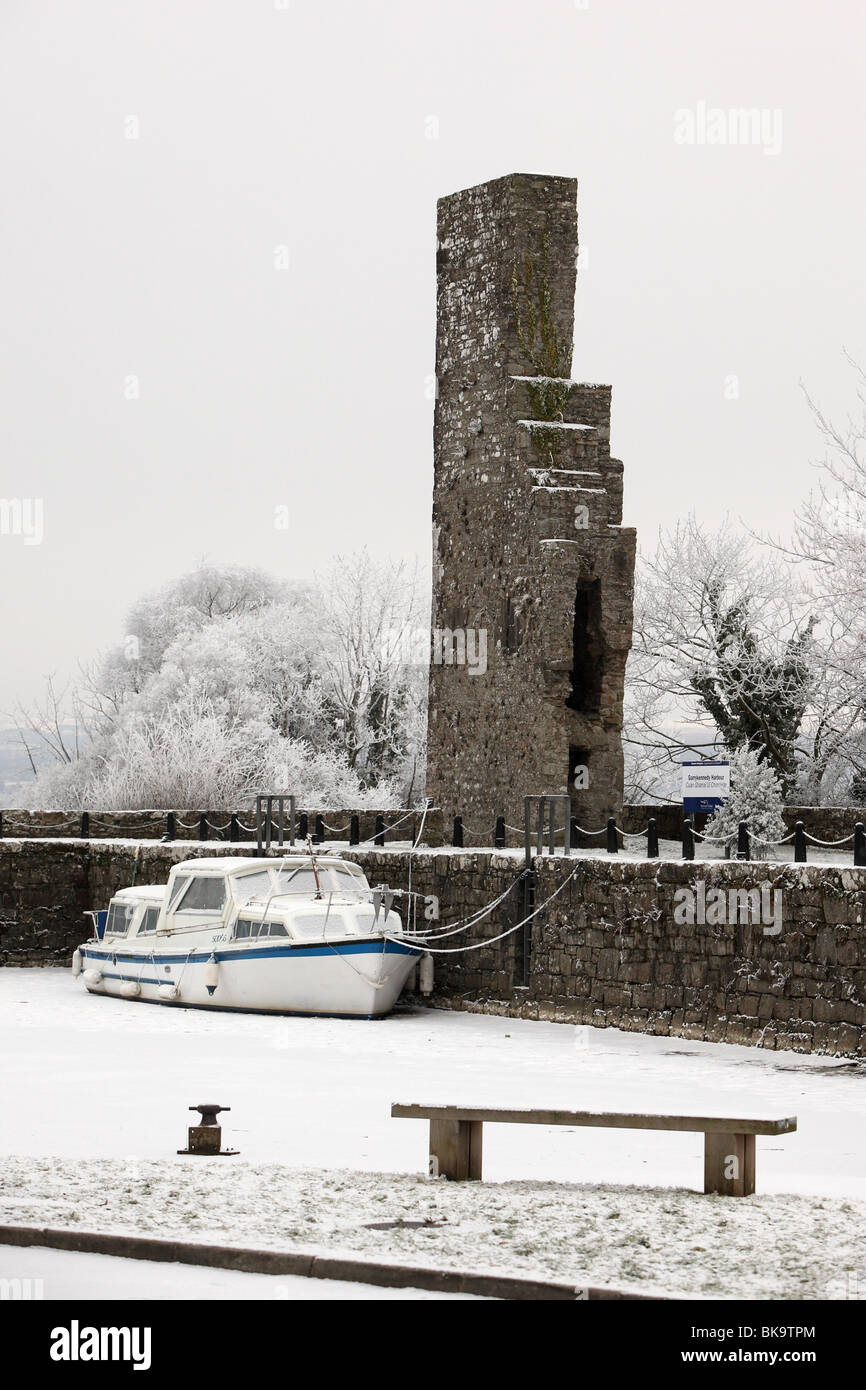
column 756, row 798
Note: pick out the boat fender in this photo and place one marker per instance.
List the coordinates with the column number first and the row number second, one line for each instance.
column 425, row 974
column 130, row 989
column 76, row 963
column 93, row 978
column 212, row 974
column 168, row 991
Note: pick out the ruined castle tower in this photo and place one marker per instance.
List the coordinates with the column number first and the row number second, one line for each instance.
column 528, row 543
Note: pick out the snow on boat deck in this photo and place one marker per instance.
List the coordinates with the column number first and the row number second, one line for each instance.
column 95, row 1106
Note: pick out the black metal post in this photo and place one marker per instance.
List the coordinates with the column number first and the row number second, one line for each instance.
column 202, row 826
column 499, row 833
column 573, row 830
column 303, row 825
column 234, row 828
column 379, row 836
column 457, row 833
column 859, row 845
column 170, row 831
column 688, row 840
column 652, row 840
column 800, row 852
column 551, row 837
column 743, row 846
column 320, row 829
column 354, row 831
column 612, row 838
column 85, row 825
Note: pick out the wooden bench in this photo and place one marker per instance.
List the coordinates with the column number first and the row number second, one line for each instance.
column 729, row 1143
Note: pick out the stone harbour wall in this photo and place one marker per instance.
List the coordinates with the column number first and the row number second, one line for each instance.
column 607, row 950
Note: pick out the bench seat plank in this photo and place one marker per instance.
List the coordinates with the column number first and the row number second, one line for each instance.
column 697, row 1124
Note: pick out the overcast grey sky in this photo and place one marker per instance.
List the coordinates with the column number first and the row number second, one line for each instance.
column 263, row 125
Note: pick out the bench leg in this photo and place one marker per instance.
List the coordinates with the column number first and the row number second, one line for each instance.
column 455, row 1149
column 729, row 1164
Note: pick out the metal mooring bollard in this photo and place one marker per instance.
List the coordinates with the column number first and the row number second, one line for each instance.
column 205, row 1139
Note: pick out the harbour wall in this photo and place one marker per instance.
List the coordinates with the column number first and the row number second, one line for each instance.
column 607, row 949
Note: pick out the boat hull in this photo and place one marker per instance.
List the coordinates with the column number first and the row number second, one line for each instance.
column 356, row 979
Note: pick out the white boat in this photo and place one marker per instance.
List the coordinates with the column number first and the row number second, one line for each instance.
column 304, row 934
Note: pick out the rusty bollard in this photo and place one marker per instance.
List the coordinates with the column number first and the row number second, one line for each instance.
column 205, row 1139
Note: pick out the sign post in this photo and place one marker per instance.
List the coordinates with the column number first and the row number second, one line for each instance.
column 705, row 785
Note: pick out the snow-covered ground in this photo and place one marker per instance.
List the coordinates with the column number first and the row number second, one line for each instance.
column 94, row 1105
column 64, row 1274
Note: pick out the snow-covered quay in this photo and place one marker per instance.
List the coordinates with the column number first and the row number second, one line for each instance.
column 94, row 1106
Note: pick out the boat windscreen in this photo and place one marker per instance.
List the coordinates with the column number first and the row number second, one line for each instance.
column 120, row 916
column 265, row 883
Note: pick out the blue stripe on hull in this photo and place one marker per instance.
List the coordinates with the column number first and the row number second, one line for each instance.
column 350, row 948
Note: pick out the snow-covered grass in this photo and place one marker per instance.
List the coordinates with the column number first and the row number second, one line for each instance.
column 636, row 1237
column 95, row 1106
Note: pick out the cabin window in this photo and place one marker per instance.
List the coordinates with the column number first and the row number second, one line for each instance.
column 247, row 928
column 204, row 895
column 255, row 885
column 149, row 921
column 120, row 916
column 177, row 887
column 303, row 881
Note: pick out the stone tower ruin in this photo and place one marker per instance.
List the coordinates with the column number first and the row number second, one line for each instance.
column 532, row 570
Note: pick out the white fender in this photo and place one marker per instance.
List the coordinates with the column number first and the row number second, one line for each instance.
column 76, row 963
column 212, row 973
column 130, row 989
column 167, row 991
column 425, row 974
column 93, row 978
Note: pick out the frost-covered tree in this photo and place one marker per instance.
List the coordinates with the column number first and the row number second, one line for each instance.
column 377, row 696
column 756, row 798
column 757, row 697
column 722, row 656
column 828, row 558
column 228, row 681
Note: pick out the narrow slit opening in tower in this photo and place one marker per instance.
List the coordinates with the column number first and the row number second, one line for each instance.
column 587, row 667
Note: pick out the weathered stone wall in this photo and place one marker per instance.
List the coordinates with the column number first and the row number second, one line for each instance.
column 527, row 511
column 606, row 951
